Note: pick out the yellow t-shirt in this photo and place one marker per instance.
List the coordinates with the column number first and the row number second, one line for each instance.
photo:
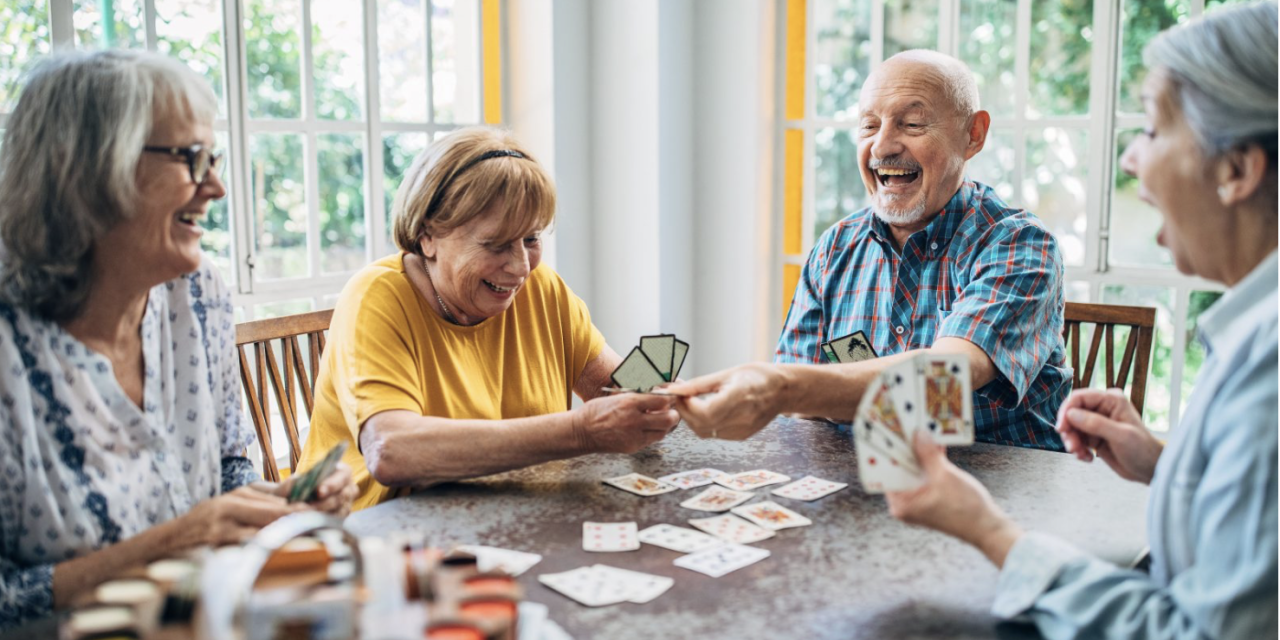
column 387, row 349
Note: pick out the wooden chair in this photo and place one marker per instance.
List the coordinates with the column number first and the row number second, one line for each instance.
column 1137, row 348
column 286, row 331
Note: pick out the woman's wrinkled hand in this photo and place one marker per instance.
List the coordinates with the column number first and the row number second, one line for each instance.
column 1094, row 421
column 624, row 423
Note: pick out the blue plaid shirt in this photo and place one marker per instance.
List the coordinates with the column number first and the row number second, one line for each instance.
column 981, row 270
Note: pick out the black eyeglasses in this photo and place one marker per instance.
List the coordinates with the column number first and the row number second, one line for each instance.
column 199, row 159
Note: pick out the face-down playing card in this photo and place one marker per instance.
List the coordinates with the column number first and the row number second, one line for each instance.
column 661, row 351
column 637, row 373
column 852, row 348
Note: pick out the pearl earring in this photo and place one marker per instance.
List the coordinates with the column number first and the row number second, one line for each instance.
column 1222, row 192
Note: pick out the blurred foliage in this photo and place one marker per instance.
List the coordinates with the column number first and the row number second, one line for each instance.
column 24, row 37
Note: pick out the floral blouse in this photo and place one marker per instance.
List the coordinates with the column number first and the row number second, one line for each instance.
column 81, row 466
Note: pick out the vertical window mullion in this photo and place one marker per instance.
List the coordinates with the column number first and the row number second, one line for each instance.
column 237, row 88
column 427, row 43
column 877, row 35
column 949, row 27
column 375, row 206
column 149, row 23
column 1022, row 80
column 1103, row 90
column 311, row 169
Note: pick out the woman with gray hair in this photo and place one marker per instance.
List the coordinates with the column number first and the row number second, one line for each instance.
column 1207, row 161
column 123, row 439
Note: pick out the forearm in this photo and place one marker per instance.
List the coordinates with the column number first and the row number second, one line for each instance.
column 403, row 449
column 76, row 576
column 834, row 391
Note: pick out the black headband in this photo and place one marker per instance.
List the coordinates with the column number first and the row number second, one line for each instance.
column 496, row 153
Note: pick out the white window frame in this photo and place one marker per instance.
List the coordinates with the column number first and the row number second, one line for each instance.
column 1096, row 271
column 318, row 287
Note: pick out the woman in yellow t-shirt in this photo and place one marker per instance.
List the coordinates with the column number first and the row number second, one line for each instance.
column 456, row 357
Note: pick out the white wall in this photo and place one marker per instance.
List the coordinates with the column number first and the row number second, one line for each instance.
column 656, row 120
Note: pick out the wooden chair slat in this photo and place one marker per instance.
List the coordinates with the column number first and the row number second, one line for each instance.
column 288, row 377
column 1104, row 318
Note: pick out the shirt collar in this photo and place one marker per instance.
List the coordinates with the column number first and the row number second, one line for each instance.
column 939, row 230
column 1239, row 307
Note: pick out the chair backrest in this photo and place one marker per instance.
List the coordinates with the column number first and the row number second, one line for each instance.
column 1136, row 357
column 285, row 331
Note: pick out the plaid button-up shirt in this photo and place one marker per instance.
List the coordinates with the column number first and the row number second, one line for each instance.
column 981, row 270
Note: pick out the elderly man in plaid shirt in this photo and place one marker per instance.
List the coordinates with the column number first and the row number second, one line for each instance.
column 937, row 263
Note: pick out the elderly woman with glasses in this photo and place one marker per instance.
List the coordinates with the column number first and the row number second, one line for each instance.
column 1207, row 161
column 123, row 440
column 457, row 356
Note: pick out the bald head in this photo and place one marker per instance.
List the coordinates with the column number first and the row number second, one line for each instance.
column 950, row 77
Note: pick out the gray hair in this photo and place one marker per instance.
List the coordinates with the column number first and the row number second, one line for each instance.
column 953, row 75
column 68, row 163
column 1223, row 68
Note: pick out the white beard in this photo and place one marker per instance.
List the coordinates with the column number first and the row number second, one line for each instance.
column 900, row 216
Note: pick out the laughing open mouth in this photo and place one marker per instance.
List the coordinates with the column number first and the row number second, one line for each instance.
column 890, row 176
column 192, row 218
column 500, row 289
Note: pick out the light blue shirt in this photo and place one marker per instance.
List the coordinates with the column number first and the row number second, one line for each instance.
column 1212, row 513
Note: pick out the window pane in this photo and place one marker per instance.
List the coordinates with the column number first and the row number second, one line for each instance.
column 910, row 24
column 993, row 166
column 191, row 31
column 1054, row 186
column 455, row 60
column 1210, row 5
column 340, row 158
column 1061, row 43
column 1134, row 223
column 1142, row 20
column 280, row 209
column 277, row 309
column 124, row 29
column 1200, row 301
column 273, row 57
column 842, row 55
column 1156, row 412
column 337, row 51
column 398, row 152
column 1077, row 291
column 987, row 45
column 217, row 239
column 838, row 189
column 24, row 25
column 402, row 60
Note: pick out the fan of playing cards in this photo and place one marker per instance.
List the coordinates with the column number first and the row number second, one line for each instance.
column 930, row 392
column 655, row 362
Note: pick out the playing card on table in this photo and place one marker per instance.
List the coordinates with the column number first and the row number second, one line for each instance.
column 721, row 560
column 771, row 515
column 507, row 561
column 732, row 529
column 640, row 587
column 589, row 586
column 661, row 351
column 748, row 480
column 640, row 484
column 609, row 536
column 637, row 373
column 946, row 389
column 809, row 488
column 717, row 499
column 852, row 348
column 679, row 539
column 691, row 479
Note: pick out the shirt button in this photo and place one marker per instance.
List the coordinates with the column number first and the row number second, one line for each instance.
column 898, row 329
column 934, row 246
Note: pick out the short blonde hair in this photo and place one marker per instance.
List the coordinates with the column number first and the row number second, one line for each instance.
column 448, row 186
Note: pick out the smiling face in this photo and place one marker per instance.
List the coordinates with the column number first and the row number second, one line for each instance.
column 477, row 272
column 1174, row 177
column 161, row 240
column 912, row 143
